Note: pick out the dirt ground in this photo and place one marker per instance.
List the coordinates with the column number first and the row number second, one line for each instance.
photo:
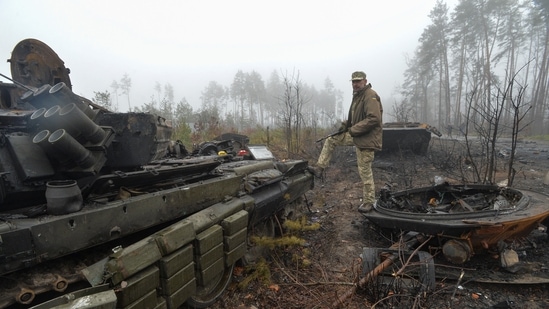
column 319, row 273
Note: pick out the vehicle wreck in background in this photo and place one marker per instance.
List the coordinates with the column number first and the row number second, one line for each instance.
column 407, row 136
column 399, row 137
column 102, row 207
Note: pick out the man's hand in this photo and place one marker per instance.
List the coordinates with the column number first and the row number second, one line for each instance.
column 342, row 127
column 351, row 132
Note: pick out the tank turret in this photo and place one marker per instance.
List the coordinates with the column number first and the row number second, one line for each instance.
column 99, row 206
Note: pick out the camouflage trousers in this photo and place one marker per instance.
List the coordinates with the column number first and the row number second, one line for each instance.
column 364, row 157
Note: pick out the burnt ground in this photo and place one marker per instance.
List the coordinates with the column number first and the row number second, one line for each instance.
column 319, row 273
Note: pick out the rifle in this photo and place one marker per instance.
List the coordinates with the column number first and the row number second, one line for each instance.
column 330, row 135
column 18, row 84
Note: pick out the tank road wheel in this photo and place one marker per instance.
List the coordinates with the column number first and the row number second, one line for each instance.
column 207, row 295
column 254, row 252
column 293, row 211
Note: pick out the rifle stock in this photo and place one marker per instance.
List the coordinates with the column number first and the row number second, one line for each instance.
column 329, row 135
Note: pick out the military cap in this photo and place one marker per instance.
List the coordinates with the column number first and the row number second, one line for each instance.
column 358, row 75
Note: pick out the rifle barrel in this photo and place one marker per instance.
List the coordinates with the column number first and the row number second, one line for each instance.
column 17, row 83
column 329, row 135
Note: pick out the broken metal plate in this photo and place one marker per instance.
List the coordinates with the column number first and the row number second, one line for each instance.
column 95, row 273
column 33, row 63
column 99, row 297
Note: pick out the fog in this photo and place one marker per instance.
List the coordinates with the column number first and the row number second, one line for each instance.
column 189, row 43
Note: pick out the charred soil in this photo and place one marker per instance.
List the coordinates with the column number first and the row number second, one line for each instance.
column 318, row 273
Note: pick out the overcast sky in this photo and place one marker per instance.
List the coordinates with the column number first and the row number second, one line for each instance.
column 190, row 43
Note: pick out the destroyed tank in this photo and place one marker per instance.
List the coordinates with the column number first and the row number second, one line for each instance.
column 407, row 136
column 97, row 210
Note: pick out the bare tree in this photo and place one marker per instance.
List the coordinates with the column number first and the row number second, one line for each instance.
column 489, row 126
column 115, row 86
column 403, row 111
column 519, row 110
column 291, row 114
column 126, row 85
column 103, row 99
column 158, row 89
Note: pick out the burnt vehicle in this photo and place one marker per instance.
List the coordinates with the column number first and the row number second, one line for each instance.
column 233, row 144
column 463, row 220
column 398, row 137
column 407, row 136
column 451, row 232
column 97, row 212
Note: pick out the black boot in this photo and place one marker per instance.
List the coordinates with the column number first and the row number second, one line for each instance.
column 365, row 208
column 316, row 170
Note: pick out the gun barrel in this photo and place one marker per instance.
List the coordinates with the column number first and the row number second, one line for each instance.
column 329, row 135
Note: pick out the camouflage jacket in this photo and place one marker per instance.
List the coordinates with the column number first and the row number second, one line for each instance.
column 365, row 121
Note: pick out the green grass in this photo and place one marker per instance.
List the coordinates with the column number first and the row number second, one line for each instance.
column 544, row 138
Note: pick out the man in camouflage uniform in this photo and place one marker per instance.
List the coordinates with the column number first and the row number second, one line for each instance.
column 362, row 129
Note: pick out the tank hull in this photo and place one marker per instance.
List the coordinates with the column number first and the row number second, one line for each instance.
column 95, row 208
column 481, row 216
column 407, row 137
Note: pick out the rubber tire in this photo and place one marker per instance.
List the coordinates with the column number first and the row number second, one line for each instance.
column 427, row 271
column 370, row 259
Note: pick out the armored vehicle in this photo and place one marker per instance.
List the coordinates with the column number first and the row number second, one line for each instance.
column 97, row 210
column 464, row 220
column 407, row 136
column 399, row 137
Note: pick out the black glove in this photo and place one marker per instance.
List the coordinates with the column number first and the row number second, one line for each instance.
column 343, row 127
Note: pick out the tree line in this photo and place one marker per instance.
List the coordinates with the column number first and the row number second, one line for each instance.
column 465, row 60
column 283, row 101
column 479, row 48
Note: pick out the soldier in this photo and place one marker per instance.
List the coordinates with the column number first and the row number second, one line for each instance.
column 362, row 129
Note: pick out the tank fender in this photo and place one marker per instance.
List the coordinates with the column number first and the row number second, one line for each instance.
column 128, row 261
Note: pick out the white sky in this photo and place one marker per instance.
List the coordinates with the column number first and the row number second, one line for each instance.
column 189, row 43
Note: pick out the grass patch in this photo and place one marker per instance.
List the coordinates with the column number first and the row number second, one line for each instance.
column 544, row 138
